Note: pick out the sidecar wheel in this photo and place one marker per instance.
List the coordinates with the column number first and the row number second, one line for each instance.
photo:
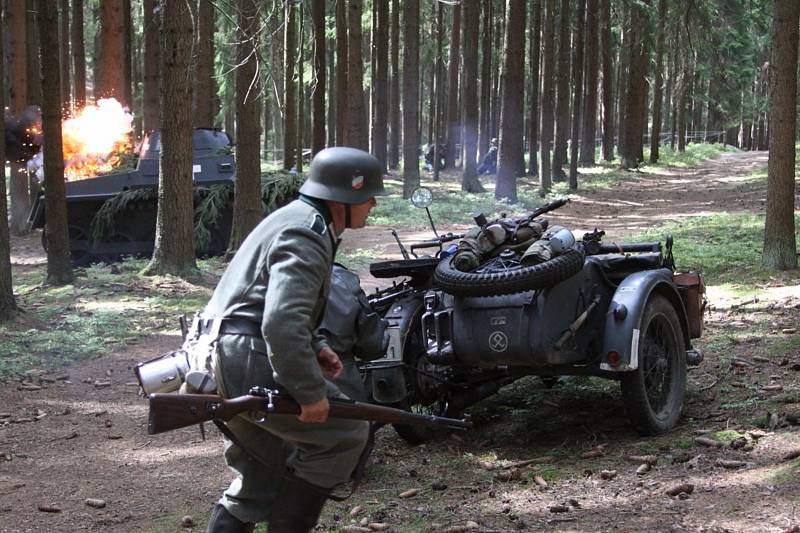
column 510, row 281
column 653, row 393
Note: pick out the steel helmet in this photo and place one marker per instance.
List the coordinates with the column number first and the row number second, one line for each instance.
column 345, row 175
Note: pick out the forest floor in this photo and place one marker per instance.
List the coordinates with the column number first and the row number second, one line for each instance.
column 555, row 459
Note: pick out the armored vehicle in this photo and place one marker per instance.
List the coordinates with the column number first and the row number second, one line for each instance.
column 114, row 215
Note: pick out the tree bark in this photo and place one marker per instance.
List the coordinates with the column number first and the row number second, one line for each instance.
column 381, row 83
column 111, row 81
column 511, row 149
column 469, row 176
column 780, row 247
column 174, row 247
column 548, row 94
column 533, row 122
column 18, row 98
column 590, row 97
column 341, row 70
column 354, row 131
column 484, row 127
column 437, row 93
column 395, row 133
column 66, row 93
column 658, row 82
column 59, row 269
column 204, row 73
column 247, row 211
column 152, row 61
column 453, row 127
column 78, row 53
column 301, row 92
column 8, row 304
column 608, row 80
column 33, row 59
column 289, row 87
column 562, row 93
column 320, row 70
column 634, row 102
column 127, row 53
column 331, row 96
column 577, row 88
column 410, row 96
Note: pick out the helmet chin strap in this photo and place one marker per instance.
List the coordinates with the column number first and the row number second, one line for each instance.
column 347, row 215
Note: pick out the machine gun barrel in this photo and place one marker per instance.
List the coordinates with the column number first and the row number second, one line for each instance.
column 552, row 206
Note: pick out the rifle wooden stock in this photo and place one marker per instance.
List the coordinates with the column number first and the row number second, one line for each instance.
column 170, row 411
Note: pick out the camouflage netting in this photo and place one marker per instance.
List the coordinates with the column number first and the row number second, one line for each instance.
column 277, row 188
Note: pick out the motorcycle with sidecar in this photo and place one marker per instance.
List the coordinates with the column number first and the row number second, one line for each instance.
column 478, row 314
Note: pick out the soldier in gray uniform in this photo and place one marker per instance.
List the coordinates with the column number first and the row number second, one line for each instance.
column 266, row 308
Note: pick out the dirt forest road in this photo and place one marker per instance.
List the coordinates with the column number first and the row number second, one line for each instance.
column 75, row 456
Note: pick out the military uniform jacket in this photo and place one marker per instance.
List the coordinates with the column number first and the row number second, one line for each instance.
column 280, row 278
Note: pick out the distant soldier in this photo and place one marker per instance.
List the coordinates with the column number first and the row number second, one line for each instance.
column 266, row 309
column 489, row 163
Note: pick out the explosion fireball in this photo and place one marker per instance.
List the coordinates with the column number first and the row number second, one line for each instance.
column 95, row 138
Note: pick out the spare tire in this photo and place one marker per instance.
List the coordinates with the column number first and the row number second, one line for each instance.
column 547, row 274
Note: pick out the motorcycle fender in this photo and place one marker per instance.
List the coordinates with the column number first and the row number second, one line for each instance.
column 388, row 383
column 624, row 316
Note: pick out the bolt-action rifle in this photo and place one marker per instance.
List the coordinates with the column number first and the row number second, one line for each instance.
column 170, row 411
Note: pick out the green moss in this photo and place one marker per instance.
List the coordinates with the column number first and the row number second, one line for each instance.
column 727, row 436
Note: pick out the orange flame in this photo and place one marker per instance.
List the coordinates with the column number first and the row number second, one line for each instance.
column 95, row 138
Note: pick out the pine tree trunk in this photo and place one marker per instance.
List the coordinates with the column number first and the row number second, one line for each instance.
column 577, row 88
column 511, row 150
column 608, row 79
column 658, row 82
column 438, row 94
column 395, row 133
column 355, row 134
column 204, row 73
column 66, row 92
column 8, row 305
column 78, row 52
column 469, row 176
column 111, row 81
column 780, row 247
column 330, row 97
column 320, row 71
column 152, row 63
column 59, row 269
column 548, row 94
column 174, row 247
column 341, row 70
column 16, row 23
column 498, row 34
column 127, row 53
column 590, row 101
column 562, row 93
column 301, row 91
column 33, row 59
column 635, row 101
column 535, row 81
column 484, row 127
column 410, row 96
column 289, row 86
column 453, row 127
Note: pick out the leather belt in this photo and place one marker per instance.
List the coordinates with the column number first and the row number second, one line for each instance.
column 233, row 326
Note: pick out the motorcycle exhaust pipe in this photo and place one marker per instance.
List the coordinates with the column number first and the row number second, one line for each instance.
column 460, row 401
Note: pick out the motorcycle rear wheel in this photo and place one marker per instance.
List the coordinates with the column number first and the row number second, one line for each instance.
column 653, row 393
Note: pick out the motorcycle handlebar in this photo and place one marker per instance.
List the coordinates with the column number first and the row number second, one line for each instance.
column 433, row 243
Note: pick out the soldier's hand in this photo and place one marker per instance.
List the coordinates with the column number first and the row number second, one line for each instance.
column 329, row 363
column 316, row 412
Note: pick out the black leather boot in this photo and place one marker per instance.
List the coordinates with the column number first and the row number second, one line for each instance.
column 298, row 506
column 222, row 521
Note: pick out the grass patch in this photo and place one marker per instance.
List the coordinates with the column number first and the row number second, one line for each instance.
column 787, row 474
column 727, row 436
column 358, row 258
column 726, row 247
column 103, row 310
column 694, row 155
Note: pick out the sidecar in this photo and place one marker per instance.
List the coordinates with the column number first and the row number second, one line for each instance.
column 477, row 315
column 618, row 314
